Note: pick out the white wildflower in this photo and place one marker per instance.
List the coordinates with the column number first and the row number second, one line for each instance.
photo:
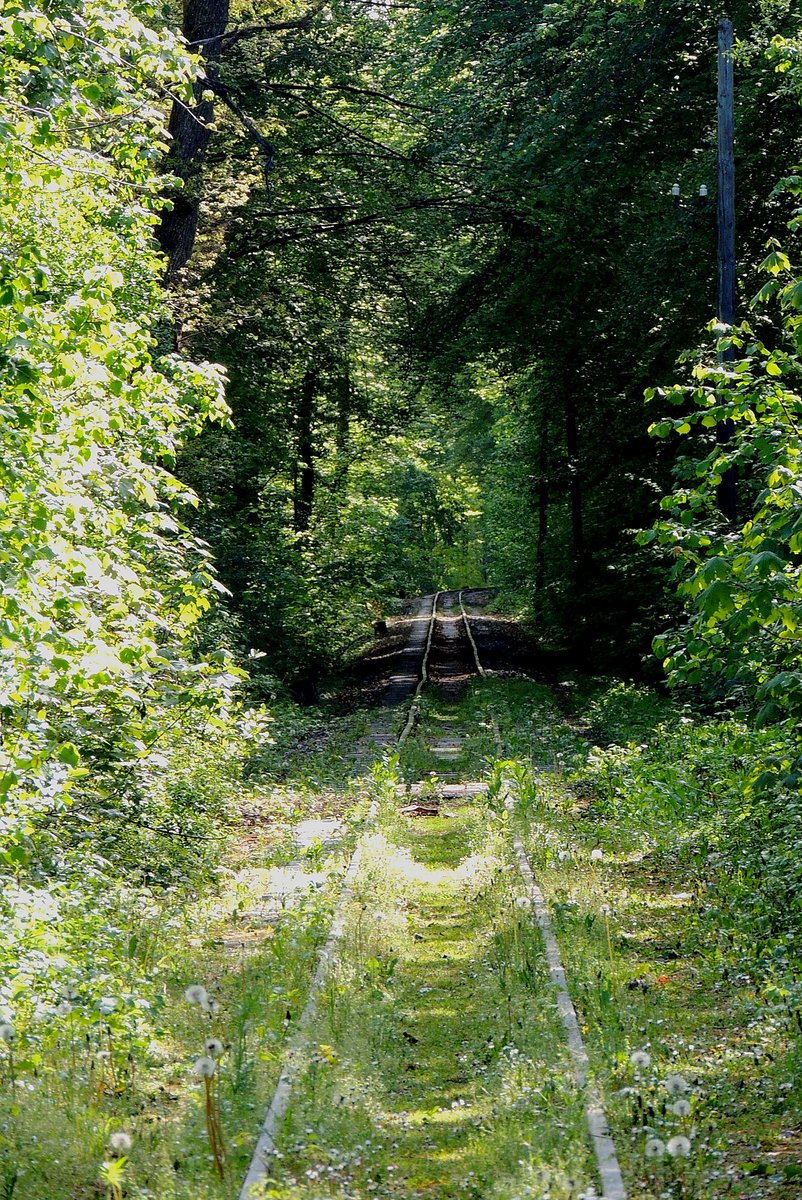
column 8, row 1033
column 214, row 1047
column 640, row 1059
column 120, row 1142
column 195, row 994
column 204, row 1067
column 681, row 1108
column 654, row 1148
column 679, row 1146
column 675, row 1085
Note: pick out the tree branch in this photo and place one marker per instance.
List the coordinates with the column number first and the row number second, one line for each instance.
column 374, row 218
column 359, row 91
column 269, row 150
column 226, row 40
column 347, row 129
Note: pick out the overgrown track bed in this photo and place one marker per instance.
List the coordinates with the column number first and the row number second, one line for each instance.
column 434, row 1037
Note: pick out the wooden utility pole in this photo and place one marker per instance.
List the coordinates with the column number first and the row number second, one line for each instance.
column 726, row 230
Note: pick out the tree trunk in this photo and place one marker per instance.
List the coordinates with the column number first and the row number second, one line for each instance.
column 305, row 451
column 204, row 24
column 542, row 515
column 574, row 482
column 343, row 425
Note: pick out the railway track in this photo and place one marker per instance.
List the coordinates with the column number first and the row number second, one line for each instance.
column 442, row 655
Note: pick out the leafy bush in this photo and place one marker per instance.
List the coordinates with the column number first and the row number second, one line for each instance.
column 102, row 584
column 741, row 581
column 725, row 798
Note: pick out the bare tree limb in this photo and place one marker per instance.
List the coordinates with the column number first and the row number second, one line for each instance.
column 358, row 91
column 373, row 218
column 224, row 41
column 264, row 143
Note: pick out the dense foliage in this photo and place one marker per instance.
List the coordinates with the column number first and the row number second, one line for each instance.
column 462, row 224
column 102, row 583
column 439, row 266
column 110, row 719
column 741, row 581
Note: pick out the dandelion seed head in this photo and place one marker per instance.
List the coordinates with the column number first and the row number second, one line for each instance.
column 8, row 1033
column 70, row 993
column 640, row 1059
column 676, row 1085
column 64, row 1008
column 681, row 1108
column 107, row 1005
column 596, row 855
column 679, row 1146
column 214, row 1047
column 204, row 1066
column 605, row 910
column 195, row 994
column 523, row 902
column 654, row 1147
column 120, row 1142
column 209, row 1005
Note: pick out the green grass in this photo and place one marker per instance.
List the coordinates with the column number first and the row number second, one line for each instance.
column 438, row 1066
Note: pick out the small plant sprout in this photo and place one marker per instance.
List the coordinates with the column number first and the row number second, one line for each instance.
column 676, row 1085
column 640, row 1060
column 679, row 1146
column 112, row 1172
column 205, row 1067
column 681, row 1108
column 655, row 1147
column 195, row 994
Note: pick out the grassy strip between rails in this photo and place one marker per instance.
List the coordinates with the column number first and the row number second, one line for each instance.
column 438, row 1066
